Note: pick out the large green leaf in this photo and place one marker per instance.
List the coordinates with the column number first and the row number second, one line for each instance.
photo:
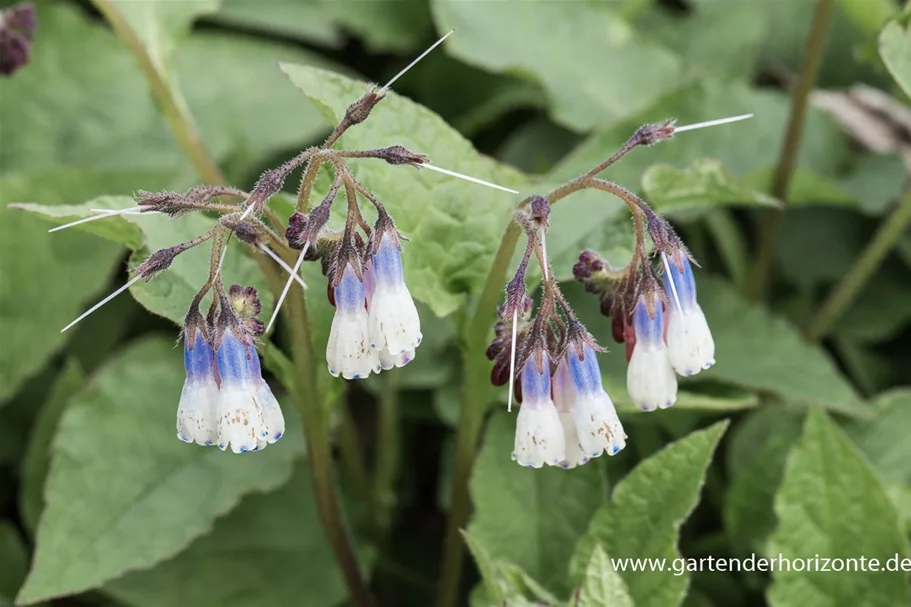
column 644, row 516
column 757, row 350
column 594, row 66
column 385, row 25
column 269, row 551
column 454, row 226
column 603, row 586
column 502, row 583
column 123, row 493
column 46, row 278
column 831, row 504
column 531, row 518
column 895, row 50
column 700, row 186
column 37, row 459
column 170, row 293
column 759, row 448
column 882, row 438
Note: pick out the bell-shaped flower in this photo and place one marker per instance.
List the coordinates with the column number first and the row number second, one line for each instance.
column 597, row 424
column 196, row 416
column 565, row 402
column 241, row 420
column 650, row 378
column 394, row 323
column 539, row 433
column 272, row 412
column 689, row 340
column 349, row 352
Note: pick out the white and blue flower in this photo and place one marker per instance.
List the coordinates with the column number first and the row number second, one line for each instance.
column 349, row 352
column 539, row 433
column 650, row 378
column 395, row 328
column 196, row 411
column 689, row 340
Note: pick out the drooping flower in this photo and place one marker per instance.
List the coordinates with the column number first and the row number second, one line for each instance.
column 598, row 427
column 650, row 377
column 348, row 352
column 395, row 327
column 539, row 433
column 565, row 402
column 241, row 421
column 689, row 340
column 196, row 412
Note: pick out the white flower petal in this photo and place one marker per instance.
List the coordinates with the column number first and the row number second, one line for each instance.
column 539, row 436
column 389, row 361
column 348, row 352
column 574, row 454
column 598, row 426
column 394, row 322
column 650, row 378
column 240, row 418
column 689, row 341
column 273, row 419
column 196, row 420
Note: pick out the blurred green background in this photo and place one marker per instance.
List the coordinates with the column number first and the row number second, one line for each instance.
column 100, row 505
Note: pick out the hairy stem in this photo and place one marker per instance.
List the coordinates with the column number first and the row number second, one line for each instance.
column 173, row 107
column 869, row 261
column 309, row 402
column 771, row 220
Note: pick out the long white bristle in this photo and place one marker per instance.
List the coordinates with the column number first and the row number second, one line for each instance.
column 512, row 357
column 281, row 298
column 543, row 252
column 670, row 280
column 702, row 125
column 467, row 178
column 131, row 282
column 282, row 263
column 102, row 214
column 246, row 212
column 421, row 56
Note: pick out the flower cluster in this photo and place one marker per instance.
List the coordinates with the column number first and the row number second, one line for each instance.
column 225, row 401
column 566, row 417
column 655, row 313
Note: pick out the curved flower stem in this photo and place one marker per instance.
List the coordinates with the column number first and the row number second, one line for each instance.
column 173, row 107
column 771, row 220
column 309, row 402
column 868, row 262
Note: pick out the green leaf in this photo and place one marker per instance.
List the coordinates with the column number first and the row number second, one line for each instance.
column 603, row 586
column 13, row 562
column 595, row 67
column 759, row 449
column 869, row 15
column 644, row 516
column 123, row 493
column 883, row 438
column 756, row 350
column 831, row 504
column 312, row 21
column 33, row 263
column 895, row 50
column 38, row 456
column 531, row 518
column 269, row 551
column 454, row 226
column 496, row 586
column 703, row 184
column 880, row 311
column 170, row 293
column 736, row 27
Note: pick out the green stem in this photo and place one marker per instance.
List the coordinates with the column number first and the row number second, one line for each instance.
column 309, row 402
column 771, row 221
column 387, row 455
column 475, row 395
column 868, row 262
column 173, row 108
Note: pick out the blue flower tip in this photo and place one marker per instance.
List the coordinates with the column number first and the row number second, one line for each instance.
column 208, row 443
column 244, row 449
column 277, row 435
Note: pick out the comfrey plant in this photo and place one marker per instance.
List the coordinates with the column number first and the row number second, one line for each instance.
column 225, row 401
column 566, row 417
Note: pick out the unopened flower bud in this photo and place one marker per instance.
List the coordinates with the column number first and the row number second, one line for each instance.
column 540, row 211
column 17, row 26
column 397, row 154
column 157, row 262
column 358, row 111
column 268, row 184
column 650, row 134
